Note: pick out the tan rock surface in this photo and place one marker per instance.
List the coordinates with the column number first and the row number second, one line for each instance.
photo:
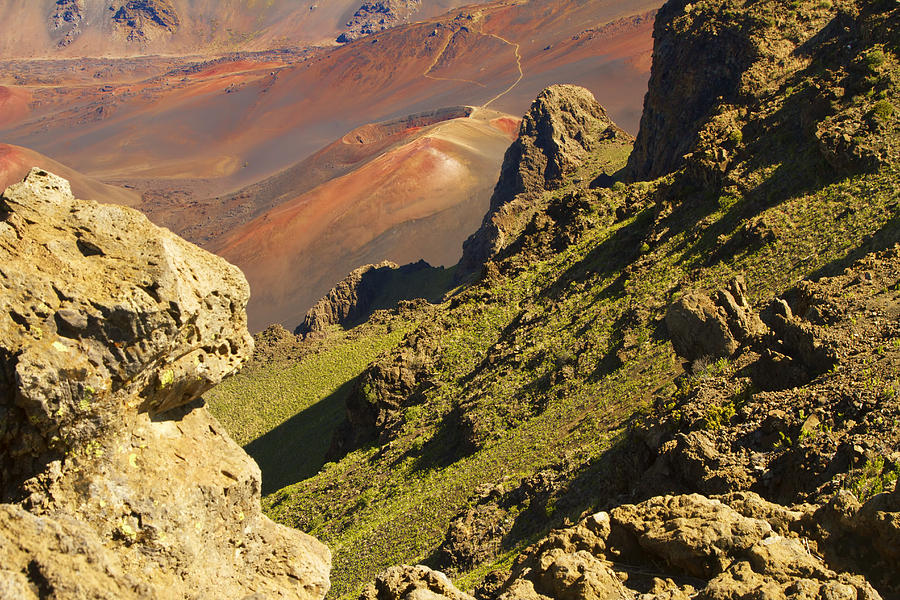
column 123, row 485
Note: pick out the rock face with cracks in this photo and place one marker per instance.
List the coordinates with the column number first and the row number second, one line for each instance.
column 563, row 126
column 120, row 484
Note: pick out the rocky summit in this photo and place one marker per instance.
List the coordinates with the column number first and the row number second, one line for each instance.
column 118, row 482
column 563, row 127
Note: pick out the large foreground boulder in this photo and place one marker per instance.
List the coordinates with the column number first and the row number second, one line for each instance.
column 120, row 484
column 687, row 546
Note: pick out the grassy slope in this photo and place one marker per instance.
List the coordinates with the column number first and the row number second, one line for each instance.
column 553, row 354
column 283, row 412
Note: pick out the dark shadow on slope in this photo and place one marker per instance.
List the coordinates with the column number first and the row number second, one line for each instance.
column 444, row 448
column 296, row 449
column 884, row 238
column 610, row 256
column 378, row 287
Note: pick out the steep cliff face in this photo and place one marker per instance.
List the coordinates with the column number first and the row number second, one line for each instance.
column 564, row 125
column 111, row 329
column 683, row 87
column 727, row 76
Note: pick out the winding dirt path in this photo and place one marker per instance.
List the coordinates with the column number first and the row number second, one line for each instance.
column 438, row 58
column 518, row 66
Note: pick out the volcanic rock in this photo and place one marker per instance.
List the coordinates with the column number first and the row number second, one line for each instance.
column 375, row 405
column 122, row 485
column 701, row 328
column 564, row 124
column 376, row 16
column 67, row 18
column 683, row 89
column 412, row 583
column 144, row 20
column 703, row 548
column 356, row 296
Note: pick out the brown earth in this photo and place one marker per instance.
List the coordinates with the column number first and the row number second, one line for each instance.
column 16, row 162
column 74, row 28
column 407, row 203
column 206, row 139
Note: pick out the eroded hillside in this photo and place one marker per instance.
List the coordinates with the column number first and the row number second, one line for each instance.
column 563, row 388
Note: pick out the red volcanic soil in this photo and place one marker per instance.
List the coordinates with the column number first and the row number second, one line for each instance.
column 415, row 200
column 13, row 104
column 223, row 150
column 16, row 162
column 205, row 220
column 233, row 124
column 507, row 125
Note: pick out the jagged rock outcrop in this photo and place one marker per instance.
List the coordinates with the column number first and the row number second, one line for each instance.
column 687, row 546
column 67, row 19
column 564, row 124
column 406, row 582
column 684, row 88
column 365, row 289
column 476, row 533
column 700, row 327
column 390, row 384
column 145, row 20
column 348, row 300
column 378, row 15
column 120, row 483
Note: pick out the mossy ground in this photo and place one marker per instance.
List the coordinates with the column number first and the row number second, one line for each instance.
column 562, row 344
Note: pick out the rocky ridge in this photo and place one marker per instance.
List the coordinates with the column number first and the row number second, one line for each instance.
column 377, row 15
column 119, row 483
column 144, row 20
column 767, row 404
column 363, row 291
column 564, row 125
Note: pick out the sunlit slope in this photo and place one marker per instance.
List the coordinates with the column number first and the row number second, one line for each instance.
column 413, row 201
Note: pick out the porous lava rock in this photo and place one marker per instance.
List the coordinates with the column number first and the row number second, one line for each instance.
column 686, row 546
column 119, row 483
column 405, row 582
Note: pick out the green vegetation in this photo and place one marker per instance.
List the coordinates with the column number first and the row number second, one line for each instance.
column 546, row 362
column 874, row 478
column 883, row 110
column 285, row 412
